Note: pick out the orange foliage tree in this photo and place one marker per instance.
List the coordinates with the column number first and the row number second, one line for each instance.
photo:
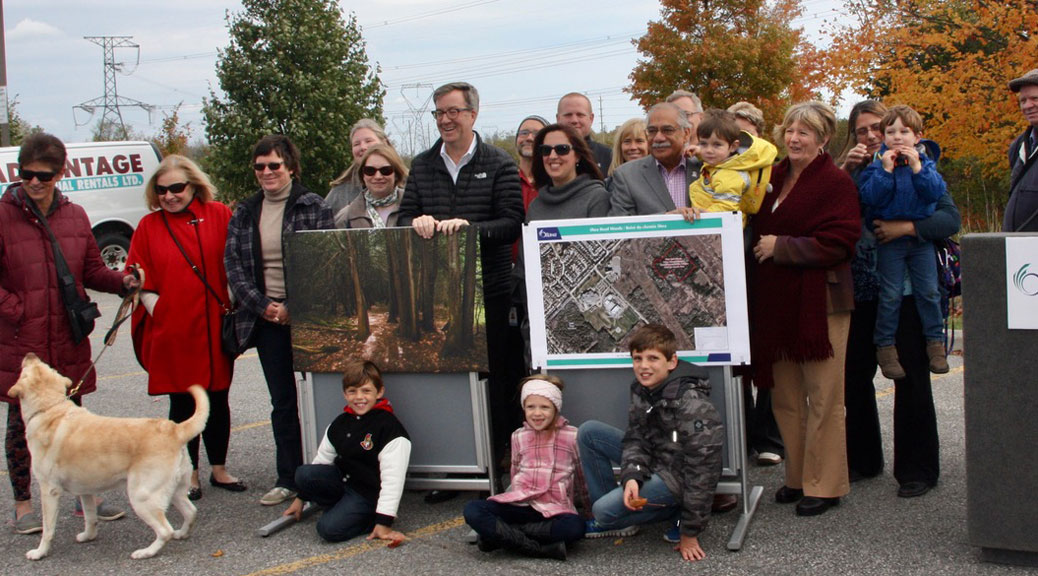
column 949, row 59
column 726, row 51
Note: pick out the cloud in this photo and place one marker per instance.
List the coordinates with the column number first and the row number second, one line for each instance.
column 29, row 28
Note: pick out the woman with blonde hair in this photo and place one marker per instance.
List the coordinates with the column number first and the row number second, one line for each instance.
column 632, row 143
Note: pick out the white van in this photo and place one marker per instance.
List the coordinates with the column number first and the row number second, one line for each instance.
column 107, row 179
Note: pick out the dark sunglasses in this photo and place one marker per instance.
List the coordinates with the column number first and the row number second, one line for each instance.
column 560, row 149
column 28, row 175
column 174, row 188
column 383, row 170
column 274, row 166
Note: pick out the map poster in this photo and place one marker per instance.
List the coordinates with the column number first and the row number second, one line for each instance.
column 591, row 282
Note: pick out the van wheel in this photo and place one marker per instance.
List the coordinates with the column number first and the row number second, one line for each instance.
column 114, row 249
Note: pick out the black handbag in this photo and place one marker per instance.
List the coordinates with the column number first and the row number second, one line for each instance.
column 228, row 334
column 82, row 312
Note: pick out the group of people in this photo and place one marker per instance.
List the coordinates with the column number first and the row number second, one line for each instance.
column 841, row 281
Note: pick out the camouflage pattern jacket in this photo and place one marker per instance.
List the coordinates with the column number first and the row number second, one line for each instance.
column 675, row 432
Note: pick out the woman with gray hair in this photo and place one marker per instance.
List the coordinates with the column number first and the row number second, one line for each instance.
column 345, row 189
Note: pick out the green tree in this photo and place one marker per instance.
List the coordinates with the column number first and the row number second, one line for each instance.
column 172, row 138
column 726, row 51
column 293, row 67
column 18, row 126
column 111, row 132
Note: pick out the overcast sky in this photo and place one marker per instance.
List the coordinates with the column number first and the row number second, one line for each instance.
column 521, row 55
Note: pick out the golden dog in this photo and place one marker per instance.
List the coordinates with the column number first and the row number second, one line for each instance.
column 85, row 454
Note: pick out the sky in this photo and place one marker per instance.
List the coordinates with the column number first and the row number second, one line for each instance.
column 521, row 55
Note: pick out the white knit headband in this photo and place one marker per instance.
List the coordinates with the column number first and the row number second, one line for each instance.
column 542, row 388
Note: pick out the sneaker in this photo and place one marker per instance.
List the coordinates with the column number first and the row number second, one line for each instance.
column 768, row 459
column 277, row 495
column 674, row 534
column 938, row 358
column 105, row 511
column 886, row 357
column 29, row 523
column 593, row 530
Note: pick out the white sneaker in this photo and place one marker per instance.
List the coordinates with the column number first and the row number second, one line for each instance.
column 277, row 495
column 768, row 459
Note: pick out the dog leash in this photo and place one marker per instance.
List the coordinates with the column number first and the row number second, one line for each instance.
column 126, row 308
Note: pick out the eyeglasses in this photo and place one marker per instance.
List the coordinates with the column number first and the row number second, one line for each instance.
column 383, row 170
column 525, row 133
column 560, row 149
column 28, row 175
column 450, row 113
column 274, row 166
column 666, row 130
column 177, row 188
column 866, row 130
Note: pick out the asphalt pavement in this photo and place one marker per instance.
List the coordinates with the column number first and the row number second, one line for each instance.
column 871, row 532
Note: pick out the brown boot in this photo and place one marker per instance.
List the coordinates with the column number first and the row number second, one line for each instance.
column 938, row 358
column 886, row 356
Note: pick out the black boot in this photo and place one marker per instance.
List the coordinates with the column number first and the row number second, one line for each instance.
column 485, row 545
column 512, row 538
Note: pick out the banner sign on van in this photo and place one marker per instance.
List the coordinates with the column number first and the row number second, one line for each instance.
column 93, row 172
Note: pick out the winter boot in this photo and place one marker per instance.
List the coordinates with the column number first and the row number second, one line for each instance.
column 515, row 539
column 938, row 358
column 886, row 356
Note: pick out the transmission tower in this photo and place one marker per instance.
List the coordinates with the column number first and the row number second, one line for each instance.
column 111, row 102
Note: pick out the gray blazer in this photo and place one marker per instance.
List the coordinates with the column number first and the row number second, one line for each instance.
column 637, row 189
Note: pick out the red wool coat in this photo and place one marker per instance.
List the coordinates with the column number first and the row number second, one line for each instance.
column 32, row 314
column 179, row 345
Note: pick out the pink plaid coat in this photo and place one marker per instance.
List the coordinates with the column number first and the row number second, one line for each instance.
column 546, row 471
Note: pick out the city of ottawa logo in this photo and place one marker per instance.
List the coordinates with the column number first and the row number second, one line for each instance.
column 1026, row 281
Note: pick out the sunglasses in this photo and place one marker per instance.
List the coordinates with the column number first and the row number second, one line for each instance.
column 560, row 149
column 274, row 166
column 173, row 188
column 383, row 170
column 28, row 175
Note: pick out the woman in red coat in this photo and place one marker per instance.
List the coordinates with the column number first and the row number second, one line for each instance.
column 176, row 332
column 33, row 317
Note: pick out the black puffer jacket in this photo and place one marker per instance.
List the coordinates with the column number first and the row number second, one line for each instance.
column 674, row 431
column 487, row 194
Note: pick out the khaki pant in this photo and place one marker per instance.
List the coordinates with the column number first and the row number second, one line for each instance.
column 809, row 410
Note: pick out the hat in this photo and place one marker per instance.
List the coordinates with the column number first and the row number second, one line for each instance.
column 531, row 117
column 1029, row 79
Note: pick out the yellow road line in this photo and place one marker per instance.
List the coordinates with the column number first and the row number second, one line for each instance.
column 251, row 425
column 356, row 549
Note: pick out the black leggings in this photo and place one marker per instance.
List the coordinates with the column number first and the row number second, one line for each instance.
column 217, row 433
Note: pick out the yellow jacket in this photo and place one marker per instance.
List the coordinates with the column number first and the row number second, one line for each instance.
column 738, row 183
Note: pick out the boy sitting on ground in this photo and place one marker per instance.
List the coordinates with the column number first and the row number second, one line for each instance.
column 358, row 474
column 670, row 456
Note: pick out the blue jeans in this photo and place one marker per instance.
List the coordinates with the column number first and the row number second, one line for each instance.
column 601, row 446
column 274, row 347
column 347, row 514
column 482, row 516
column 892, row 259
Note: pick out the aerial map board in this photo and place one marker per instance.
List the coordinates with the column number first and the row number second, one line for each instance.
column 591, row 282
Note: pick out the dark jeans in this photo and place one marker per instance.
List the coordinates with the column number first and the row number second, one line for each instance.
column 916, row 443
column 347, row 514
column 217, row 433
column 274, row 345
column 482, row 516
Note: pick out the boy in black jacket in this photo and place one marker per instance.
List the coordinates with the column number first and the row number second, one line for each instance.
column 358, row 474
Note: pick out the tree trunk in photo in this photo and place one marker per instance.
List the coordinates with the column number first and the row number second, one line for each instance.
column 429, row 262
column 363, row 325
column 404, row 283
column 468, row 305
column 454, row 343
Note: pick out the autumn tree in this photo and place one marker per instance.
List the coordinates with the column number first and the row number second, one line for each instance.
column 172, row 138
column 726, row 51
column 951, row 60
column 293, row 67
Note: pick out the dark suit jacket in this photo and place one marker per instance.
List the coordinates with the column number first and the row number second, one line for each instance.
column 637, row 188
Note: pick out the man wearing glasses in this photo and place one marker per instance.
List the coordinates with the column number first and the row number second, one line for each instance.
column 463, row 181
column 658, row 183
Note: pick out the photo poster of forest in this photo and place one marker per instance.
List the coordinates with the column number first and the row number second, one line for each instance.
column 388, row 296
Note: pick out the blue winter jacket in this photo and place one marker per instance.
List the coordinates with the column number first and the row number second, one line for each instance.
column 902, row 195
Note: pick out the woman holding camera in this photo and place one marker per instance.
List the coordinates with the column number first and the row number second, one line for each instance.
column 33, row 314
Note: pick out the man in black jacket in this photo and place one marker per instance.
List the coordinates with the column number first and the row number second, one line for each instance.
column 1022, row 210
column 463, row 181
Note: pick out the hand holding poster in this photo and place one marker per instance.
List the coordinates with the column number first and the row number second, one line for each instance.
column 591, row 282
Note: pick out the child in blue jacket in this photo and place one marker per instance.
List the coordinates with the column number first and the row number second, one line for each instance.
column 902, row 183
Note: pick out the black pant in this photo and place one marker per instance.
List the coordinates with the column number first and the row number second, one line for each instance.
column 505, row 414
column 217, row 433
column 274, row 345
column 916, row 444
